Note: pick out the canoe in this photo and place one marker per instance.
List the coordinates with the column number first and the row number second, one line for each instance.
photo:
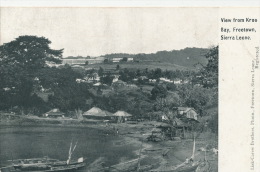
column 46, row 166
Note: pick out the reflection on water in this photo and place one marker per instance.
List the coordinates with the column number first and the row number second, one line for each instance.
column 19, row 142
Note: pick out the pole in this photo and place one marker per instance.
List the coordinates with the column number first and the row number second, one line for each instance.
column 138, row 164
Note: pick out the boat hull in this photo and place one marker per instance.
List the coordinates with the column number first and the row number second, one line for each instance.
column 182, row 169
column 61, row 168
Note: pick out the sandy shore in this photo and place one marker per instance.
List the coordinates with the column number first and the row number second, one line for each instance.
column 160, row 156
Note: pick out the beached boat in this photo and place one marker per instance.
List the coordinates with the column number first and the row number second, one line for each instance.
column 188, row 166
column 45, row 164
column 59, row 166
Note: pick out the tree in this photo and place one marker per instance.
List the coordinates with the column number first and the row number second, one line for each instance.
column 100, row 71
column 30, row 52
column 20, row 61
column 167, row 103
column 117, row 67
column 108, row 79
column 209, row 72
column 158, row 92
column 157, row 73
column 124, row 59
column 86, row 63
column 106, row 61
column 213, row 123
column 196, row 97
column 171, row 87
column 70, row 96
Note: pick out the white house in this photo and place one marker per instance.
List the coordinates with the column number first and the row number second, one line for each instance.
column 177, row 81
column 130, row 59
column 166, row 80
column 117, row 59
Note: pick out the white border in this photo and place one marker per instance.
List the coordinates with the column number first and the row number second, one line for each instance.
column 129, row 3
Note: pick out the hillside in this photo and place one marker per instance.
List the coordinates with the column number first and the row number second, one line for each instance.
column 187, row 57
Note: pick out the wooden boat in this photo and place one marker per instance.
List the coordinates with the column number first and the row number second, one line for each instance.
column 187, row 166
column 44, row 168
column 45, row 164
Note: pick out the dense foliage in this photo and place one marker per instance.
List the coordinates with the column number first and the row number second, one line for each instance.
column 24, row 74
column 28, row 83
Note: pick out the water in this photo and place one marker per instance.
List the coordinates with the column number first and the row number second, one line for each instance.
column 19, row 142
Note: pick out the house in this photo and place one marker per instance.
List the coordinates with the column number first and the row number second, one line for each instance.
column 166, row 80
column 152, row 80
column 164, row 118
column 78, row 80
column 115, row 80
column 122, row 116
column 97, row 113
column 82, row 60
column 97, row 84
column 116, row 59
column 130, row 59
column 188, row 112
column 177, row 81
column 54, row 113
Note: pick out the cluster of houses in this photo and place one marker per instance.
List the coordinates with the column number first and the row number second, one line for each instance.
column 176, row 81
column 95, row 79
column 94, row 113
column 82, row 60
column 119, row 59
column 94, row 60
column 183, row 118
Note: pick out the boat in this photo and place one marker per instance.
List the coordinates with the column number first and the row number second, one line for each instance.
column 188, row 166
column 46, row 164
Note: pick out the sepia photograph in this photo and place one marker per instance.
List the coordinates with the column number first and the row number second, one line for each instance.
column 109, row 89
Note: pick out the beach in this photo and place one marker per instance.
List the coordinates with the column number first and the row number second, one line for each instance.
column 128, row 142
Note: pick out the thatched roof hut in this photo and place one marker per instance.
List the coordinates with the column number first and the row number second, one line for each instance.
column 122, row 114
column 97, row 112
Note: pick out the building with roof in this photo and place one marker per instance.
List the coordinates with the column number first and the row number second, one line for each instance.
column 187, row 112
column 117, row 59
column 122, row 116
column 54, row 113
column 97, row 113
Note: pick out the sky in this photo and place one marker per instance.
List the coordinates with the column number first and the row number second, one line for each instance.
column 99, row 31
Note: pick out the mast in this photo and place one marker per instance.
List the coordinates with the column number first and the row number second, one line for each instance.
column 193, row 151
column 71, row 151
column 69, row 157
column 138, row 163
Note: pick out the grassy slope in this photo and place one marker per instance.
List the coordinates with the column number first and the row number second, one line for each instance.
column 140, row 65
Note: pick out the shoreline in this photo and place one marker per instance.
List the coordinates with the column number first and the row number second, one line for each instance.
column 162, row 154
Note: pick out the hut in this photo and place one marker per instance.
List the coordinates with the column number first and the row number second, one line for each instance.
column 97, row 113
column 54, row 113
column 122, row 116
column 187, row 112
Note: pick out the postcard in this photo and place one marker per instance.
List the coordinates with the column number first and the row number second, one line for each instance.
column 129, row 88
